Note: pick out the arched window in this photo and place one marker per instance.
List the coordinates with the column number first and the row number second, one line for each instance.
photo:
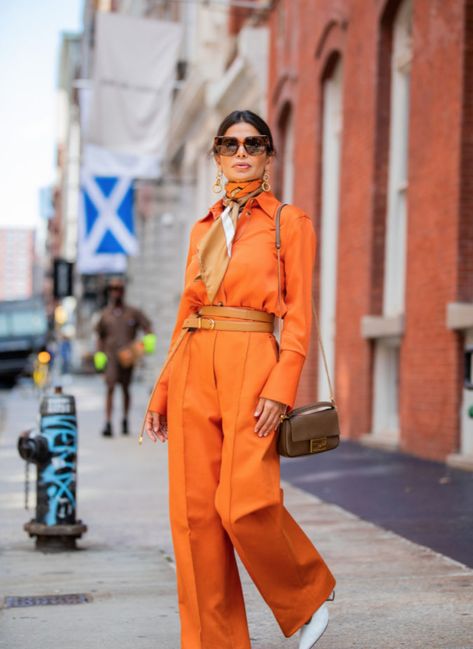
column 286, row 139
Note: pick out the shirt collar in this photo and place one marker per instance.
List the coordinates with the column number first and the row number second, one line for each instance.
column 266, row 200
column 268, row 203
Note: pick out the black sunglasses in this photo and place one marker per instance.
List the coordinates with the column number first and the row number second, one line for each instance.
column 253, row 144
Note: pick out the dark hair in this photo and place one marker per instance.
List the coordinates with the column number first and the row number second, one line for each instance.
column 249, row 117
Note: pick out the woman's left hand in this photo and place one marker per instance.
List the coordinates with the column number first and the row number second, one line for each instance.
column 269, row 414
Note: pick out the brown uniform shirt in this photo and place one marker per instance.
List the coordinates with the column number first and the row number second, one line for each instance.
column 117, row 328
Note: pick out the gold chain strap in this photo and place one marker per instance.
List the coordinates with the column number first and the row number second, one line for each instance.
column 278, row 250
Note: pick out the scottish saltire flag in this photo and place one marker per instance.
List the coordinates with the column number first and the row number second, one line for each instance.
column 106, row 229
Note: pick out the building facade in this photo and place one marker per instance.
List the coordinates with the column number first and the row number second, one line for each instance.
column 223, row 65
column 372, row 106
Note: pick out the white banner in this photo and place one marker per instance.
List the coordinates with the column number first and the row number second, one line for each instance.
column 97, row 161
column 134, row 74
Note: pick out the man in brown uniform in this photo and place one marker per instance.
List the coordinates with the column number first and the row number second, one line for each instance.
column 117, row 329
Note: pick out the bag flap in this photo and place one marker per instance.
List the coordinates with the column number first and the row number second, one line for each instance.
column 317, row 420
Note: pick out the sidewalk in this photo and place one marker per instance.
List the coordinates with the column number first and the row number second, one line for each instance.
column 390, row 592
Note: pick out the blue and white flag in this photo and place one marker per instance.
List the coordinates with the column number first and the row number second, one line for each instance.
column 103, row 162
column 106, row 229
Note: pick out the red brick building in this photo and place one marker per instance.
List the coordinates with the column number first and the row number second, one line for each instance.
column 372, row 102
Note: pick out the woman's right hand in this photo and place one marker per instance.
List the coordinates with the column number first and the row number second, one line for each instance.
column 156, row 426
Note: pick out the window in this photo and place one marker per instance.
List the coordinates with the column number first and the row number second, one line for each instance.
column 286, row 128
column 395, row 250
column 331, row 147
column 385, row 424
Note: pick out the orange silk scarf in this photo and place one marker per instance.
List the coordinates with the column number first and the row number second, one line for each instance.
column 214, row 250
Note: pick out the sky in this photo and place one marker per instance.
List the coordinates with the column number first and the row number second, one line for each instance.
column 30, row 33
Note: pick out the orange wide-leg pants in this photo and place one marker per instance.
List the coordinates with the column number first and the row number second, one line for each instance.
column 225, row 494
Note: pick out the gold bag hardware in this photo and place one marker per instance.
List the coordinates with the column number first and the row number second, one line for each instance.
column 317, row 445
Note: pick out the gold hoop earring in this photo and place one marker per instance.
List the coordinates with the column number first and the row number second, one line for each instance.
column 217, row 187
column 265, row 186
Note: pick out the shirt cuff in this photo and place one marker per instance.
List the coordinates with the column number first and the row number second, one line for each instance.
column 283, row 380
column 159, row 399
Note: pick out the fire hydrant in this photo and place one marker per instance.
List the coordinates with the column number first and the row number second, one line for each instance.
column 54, row 451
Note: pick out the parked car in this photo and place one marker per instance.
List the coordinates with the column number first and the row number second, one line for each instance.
column 23, row 333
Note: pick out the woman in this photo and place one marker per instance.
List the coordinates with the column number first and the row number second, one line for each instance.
column 221, row 395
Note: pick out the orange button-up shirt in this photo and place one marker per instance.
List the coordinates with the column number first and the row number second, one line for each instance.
column 251, row 280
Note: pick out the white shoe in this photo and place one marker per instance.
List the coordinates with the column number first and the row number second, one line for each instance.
column 312, row 631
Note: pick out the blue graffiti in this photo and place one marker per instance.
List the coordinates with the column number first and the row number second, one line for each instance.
column 58, row 477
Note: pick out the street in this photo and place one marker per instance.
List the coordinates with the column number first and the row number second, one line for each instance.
column 390, row 592
column 427, row 502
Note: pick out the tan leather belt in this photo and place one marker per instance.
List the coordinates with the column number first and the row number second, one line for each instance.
column 208, row 317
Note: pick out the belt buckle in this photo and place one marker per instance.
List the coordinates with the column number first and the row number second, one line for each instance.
column 201, row 318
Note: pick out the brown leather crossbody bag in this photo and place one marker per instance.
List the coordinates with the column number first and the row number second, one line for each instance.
column 313, row 428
